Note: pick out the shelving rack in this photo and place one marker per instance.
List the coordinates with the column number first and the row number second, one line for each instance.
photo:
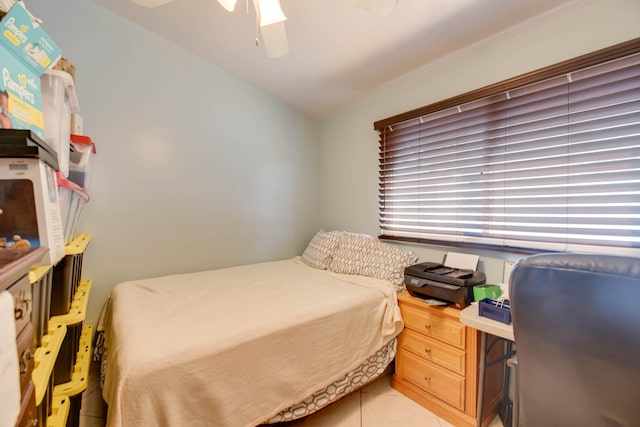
column 59, row 403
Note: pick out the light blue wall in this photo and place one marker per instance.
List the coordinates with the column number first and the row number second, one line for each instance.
column 195, row 168
column 348, row 145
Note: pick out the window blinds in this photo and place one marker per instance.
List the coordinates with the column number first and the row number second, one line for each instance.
column 552, row 165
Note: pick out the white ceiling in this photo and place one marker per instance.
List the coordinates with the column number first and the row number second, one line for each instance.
column 337, row 52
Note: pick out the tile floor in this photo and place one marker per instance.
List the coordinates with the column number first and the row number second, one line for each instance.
column 376, row 405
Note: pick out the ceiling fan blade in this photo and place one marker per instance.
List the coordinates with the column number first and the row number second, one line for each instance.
column 151, row 3
column 274, row 37
column 229, row 5
column 269, row 11
column 381, row 7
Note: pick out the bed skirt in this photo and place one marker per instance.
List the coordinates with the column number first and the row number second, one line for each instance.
column 371, row 369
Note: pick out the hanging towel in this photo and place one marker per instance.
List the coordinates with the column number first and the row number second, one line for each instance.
column 9, row 369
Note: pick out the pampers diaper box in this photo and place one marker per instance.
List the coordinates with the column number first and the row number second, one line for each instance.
column 26, row 52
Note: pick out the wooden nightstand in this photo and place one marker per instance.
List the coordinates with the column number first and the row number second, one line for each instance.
column 437, row 363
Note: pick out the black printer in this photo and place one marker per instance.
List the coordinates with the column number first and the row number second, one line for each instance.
column 430, row 280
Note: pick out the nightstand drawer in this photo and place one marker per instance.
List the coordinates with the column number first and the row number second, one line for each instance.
column 433, row 325
column 433, row 351
column 431, row 378
column 26, row 351
column 22, row 302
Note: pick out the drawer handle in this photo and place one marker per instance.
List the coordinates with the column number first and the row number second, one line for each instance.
column 428, row 351
column 24, row 361
column 427, row 379
column 22, row 303
column 427, row 326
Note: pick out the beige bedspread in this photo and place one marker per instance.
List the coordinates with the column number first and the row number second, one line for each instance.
column 233, row 347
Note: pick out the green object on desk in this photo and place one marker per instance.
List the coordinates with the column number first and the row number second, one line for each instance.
column 481, row 292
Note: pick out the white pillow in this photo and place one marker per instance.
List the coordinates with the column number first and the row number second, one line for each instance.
column 366, row 256
column 320, row 249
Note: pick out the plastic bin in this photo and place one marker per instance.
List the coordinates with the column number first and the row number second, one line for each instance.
column 80, row 160
column 72, row 200
column 59, row 100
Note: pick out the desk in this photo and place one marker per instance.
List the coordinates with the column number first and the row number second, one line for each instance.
column 501, row 331
column 470, row 317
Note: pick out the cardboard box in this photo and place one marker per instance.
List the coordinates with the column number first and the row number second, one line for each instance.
column 26, row 52
column 481, row 292
column 29, row 207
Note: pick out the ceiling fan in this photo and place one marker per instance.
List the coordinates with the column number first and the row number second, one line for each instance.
column 270, row 19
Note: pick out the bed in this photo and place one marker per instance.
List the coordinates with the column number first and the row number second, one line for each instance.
column 253, row 344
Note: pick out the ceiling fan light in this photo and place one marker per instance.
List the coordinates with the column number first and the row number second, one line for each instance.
column 270, row 12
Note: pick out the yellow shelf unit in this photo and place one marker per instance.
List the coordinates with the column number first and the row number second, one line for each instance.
column 80, row 377
column 59, row 411
column 78, row 245
column 45, row 358
column 37, row 273
column 78, row 310
column 76, row 315
column 46, row 355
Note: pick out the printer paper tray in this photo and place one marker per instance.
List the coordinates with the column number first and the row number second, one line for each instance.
column 461, row 296
column 419, row 282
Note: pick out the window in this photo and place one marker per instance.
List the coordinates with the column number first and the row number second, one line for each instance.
column 546, row 161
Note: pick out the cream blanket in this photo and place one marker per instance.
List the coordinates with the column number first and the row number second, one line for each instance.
column 235, row 346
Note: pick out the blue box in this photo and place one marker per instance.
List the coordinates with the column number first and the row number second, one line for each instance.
column 495, row 310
